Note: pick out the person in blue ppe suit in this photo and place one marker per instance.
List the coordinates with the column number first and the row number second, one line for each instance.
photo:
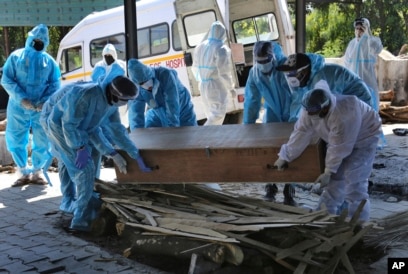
column 30, row 77
column 361, row 56
column 212, row 68
column 102, row 68
column 168, row 100
column 351, row 129
column 73, row 117
column 265, row 82
column 303, row 71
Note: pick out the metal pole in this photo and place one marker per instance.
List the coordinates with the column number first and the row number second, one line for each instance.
column 130, row 28
column 300, row 26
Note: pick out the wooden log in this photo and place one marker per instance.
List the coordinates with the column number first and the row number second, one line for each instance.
column 394, row 114
column 227, row 153
column 386, row 95
column 183, row 248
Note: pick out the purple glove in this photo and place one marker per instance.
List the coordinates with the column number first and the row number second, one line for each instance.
column 142, row 165
column 82, row 157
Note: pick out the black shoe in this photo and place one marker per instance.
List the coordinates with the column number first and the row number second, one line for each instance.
column 289, row 192
column 271, row 190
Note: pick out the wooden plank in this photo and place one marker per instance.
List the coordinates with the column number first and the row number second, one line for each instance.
column 179, row 233
column 227, row 153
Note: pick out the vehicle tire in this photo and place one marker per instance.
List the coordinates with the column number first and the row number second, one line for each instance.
column 234, row 118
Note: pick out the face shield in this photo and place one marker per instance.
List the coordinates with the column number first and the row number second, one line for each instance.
column 361, row 26
column 316, row 103
column 147, row 85
column 298, row 78
column 265, row 64
column 120, row 91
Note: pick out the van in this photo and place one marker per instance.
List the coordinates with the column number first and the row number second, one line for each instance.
column 167, row 33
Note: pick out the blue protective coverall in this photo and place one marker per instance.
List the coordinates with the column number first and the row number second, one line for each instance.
column 169, row 103
column 339, row 79
column 73, row 118
column 272, row 87
column 212, row 68
column 351, row 130
column 33, row 76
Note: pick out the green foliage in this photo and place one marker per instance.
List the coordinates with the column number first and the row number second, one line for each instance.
column 329, row 27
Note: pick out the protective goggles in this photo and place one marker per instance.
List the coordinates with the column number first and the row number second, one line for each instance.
column 117, row 95
column 314, row 110
column 360, row 28
column 264, row 60
column 297, row 72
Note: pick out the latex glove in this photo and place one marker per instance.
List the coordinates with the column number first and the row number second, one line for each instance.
column 281, row 164
column 324, row 178
column 25, row 103
column 120, row 162
column 82, row 157
column 142, row 165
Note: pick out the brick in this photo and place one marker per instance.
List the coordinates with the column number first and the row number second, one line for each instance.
column 17, row 267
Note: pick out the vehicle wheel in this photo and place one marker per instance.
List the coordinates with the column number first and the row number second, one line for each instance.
column 234, row 118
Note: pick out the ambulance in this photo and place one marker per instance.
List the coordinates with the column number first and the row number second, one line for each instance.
column 167, row 33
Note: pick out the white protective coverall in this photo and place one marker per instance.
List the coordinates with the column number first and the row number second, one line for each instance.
column 361, row 56
column 351, row 130
column 212, row 66
column 109, row 57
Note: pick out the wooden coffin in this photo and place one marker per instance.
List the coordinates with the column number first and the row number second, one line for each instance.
column 227, row 153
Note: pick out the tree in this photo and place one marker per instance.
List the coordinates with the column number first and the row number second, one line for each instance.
column 329, row 26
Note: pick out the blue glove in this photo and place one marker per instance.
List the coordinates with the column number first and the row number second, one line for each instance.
column 82, row 157
column 142, row 165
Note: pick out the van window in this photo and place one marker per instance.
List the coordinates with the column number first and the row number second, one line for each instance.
column 253, row 29
column 71, row 59
column 197, row 26
column 153, row 40
column 97, row 45
column 176, row 36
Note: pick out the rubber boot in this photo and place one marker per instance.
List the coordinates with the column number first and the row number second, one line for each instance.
column 270, row 192
column 288, row 193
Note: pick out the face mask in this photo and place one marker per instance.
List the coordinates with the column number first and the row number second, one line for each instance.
column 109, row 59
column 38, row 45
column 314, row 117
column 119, row 103
column 148, row 85
column 297, row 78
column 265, row 68
column 293, row 82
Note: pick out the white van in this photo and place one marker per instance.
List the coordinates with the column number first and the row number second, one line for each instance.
column 168, row 31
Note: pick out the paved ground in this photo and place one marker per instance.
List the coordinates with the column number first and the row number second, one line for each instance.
column 32, row 239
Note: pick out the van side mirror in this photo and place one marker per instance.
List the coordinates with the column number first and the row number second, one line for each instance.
column 188, row 59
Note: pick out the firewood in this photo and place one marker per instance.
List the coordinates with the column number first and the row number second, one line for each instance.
column 182, row 247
